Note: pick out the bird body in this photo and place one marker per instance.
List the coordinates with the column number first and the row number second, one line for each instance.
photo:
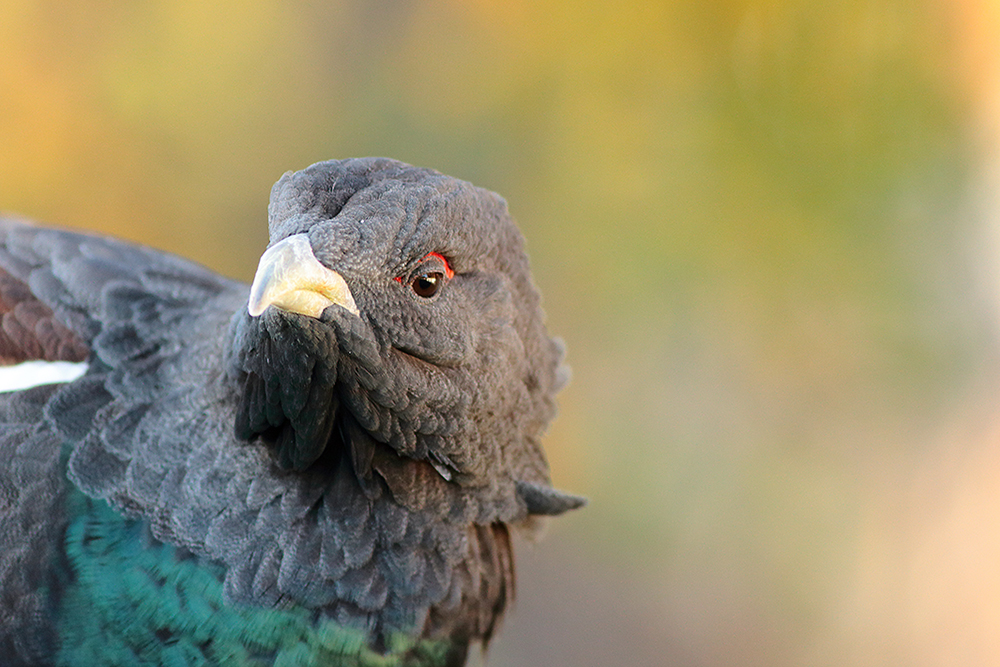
column 322, row 469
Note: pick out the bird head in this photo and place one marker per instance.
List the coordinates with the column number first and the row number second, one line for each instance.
column 393, row 313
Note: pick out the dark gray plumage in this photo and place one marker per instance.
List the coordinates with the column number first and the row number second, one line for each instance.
column 365, row 467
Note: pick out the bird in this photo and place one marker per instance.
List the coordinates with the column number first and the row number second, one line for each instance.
column 325, row 467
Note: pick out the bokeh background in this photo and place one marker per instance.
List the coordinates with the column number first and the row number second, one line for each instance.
column 768, row 230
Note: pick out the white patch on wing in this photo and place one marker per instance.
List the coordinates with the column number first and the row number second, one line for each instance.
column 33, row 373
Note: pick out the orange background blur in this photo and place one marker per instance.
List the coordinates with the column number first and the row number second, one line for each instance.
column 768, row 230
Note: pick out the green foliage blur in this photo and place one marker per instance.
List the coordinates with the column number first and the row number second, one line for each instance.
column 767, row 230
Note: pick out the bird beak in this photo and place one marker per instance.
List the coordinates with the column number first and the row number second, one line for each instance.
column 290, row 277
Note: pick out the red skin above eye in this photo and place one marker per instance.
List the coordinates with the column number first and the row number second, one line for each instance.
column 447, row 267
column 448, row 271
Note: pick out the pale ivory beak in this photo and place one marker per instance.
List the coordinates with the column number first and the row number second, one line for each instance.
column 290, row 277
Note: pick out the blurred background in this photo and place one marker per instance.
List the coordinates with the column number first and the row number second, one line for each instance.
column 768, row 230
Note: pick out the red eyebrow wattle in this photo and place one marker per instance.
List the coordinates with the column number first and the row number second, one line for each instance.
column 448, row 271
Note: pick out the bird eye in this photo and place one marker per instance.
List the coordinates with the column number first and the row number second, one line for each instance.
column 427, row 285
column 430, row 275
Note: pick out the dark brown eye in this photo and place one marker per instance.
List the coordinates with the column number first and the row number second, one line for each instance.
column 429, row 275
column 427, row 284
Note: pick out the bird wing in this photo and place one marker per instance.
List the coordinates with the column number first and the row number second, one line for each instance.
column 62, row 297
